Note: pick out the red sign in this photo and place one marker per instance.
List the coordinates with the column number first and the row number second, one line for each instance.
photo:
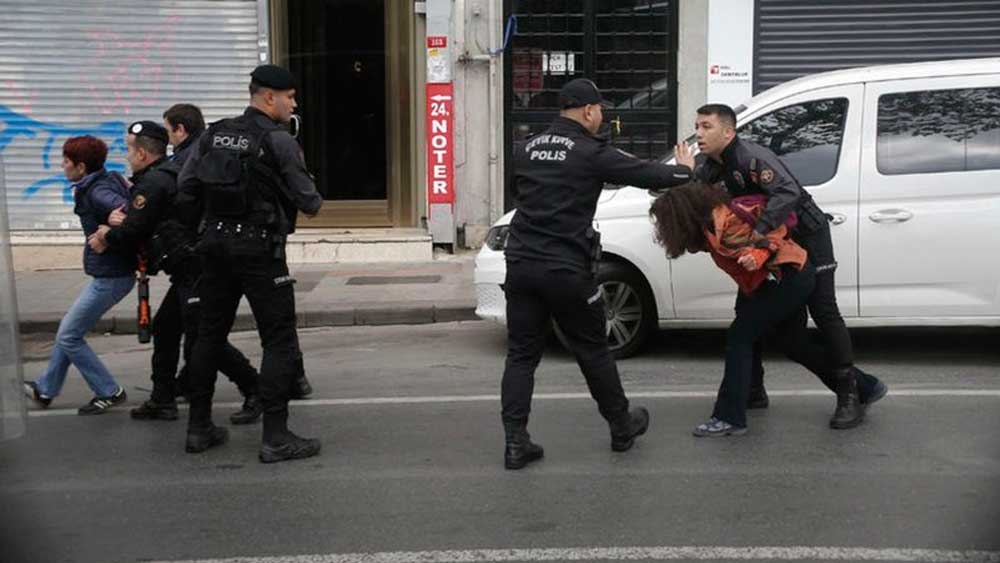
column 440, row 143
column 437, row 42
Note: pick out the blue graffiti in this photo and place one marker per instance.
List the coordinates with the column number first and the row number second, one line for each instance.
column 20, row 125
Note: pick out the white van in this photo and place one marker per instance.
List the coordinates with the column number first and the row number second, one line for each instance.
column 906, row 158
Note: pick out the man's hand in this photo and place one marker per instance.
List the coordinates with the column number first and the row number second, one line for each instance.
column 748, row 262
column 117, row 217
column 683, row 155
column 96, row 241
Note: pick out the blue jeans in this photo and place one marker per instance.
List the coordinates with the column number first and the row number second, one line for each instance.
column 70, row 347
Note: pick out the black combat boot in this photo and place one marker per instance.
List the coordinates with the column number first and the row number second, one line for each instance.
column 627, row 427
column 155, row 410
column 251, row 411
column 758, row 398
column 301, row 389
column 203, row 438
column 281, row 444
column 519, row 450
column 202, row 434
column 850, row 412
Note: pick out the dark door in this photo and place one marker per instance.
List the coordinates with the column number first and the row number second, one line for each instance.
column 337, row 50
column 627, row 47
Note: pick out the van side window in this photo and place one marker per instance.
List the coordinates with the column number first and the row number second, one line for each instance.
column 939, row 131
column 806, row 136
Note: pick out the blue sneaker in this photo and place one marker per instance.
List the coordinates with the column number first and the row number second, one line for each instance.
column 715, row 427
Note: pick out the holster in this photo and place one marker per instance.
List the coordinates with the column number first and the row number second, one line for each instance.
column 594, row 237
column 811, row 217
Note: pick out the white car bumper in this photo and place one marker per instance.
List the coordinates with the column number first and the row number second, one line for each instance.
column 489, row 276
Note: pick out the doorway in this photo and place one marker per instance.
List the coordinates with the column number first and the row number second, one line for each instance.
column 350, row 60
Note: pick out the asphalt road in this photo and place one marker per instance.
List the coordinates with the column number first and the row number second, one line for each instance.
column 412, row 462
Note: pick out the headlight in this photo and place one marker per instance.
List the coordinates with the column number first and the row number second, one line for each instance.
column 496, row 238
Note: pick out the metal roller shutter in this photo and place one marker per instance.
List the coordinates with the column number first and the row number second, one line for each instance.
column 92, row 67
column 794, row 38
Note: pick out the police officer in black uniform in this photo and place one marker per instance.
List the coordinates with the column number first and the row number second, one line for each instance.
column 244, row 182
column 185, row 124
column 552, row 254
column 747, row 168
column 149, row 226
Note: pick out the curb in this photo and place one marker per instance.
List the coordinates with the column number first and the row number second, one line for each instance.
column 353, row 316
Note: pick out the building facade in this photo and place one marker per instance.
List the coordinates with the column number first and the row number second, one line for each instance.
column 410, row 109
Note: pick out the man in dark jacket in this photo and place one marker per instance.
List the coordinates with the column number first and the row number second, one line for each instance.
column 552, row 253
column 149, row 225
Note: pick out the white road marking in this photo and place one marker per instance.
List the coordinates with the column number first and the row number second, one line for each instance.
column 893, row 392
column 662, row 553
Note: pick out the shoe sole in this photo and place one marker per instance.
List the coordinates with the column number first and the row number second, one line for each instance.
column 731, row 432
column 212, row 444
column 276, row 458
column 520, row 465
column 159, row 416
column 848, row 425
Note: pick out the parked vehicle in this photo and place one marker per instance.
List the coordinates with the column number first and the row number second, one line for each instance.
column 905, row 158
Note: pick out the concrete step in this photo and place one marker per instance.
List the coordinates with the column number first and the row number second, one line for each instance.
column 53, row 250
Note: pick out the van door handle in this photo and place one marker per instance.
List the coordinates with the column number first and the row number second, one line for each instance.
column 837, row 218
column 891, row 216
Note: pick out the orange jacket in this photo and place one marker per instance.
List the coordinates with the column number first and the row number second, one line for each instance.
column 731, row 239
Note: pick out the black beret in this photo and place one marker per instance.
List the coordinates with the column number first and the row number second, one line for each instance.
column 150, row 129
column 273, row 76
column 580, row 92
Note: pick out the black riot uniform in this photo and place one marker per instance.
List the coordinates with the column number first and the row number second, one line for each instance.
column 247, row 179
column 552, row 253
column 151, row 228
column 747, row 168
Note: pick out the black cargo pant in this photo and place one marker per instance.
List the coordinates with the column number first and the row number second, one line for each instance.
column 264, row 281
column 823, row 308
column 178, row 317
column 538, row 292
column 773, row 306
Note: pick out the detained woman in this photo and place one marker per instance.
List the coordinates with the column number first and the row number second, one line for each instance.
column 96, row 193
column 774, row 277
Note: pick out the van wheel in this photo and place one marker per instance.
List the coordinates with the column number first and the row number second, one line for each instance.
column 630, row 307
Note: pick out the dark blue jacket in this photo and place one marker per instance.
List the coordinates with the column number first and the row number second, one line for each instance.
column 95, row 197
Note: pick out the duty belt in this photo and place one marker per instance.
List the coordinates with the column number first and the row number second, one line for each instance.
column 239, row 230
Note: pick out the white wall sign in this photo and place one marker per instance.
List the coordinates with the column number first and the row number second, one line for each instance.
column 730, row 51
column 559, row 63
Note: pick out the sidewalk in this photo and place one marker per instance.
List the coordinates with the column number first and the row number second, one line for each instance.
column 338, row 294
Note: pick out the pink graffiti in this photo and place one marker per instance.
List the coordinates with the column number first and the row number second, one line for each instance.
column 138, row 77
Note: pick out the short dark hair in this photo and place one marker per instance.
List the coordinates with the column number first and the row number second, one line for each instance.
column 153, row 146
column 89, row 150
column 726, row 114
column 256, row 87
column 188, row 115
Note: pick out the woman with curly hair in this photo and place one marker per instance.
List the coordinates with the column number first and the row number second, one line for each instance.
column 774, row 277
column 96, row 193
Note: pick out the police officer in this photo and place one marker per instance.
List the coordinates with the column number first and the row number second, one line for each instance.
column 149, row 226
column 185, row 124
column 244, row 181
column 747, row 168
column 552, row 254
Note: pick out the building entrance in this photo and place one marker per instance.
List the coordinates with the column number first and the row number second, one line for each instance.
column 348, row 55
